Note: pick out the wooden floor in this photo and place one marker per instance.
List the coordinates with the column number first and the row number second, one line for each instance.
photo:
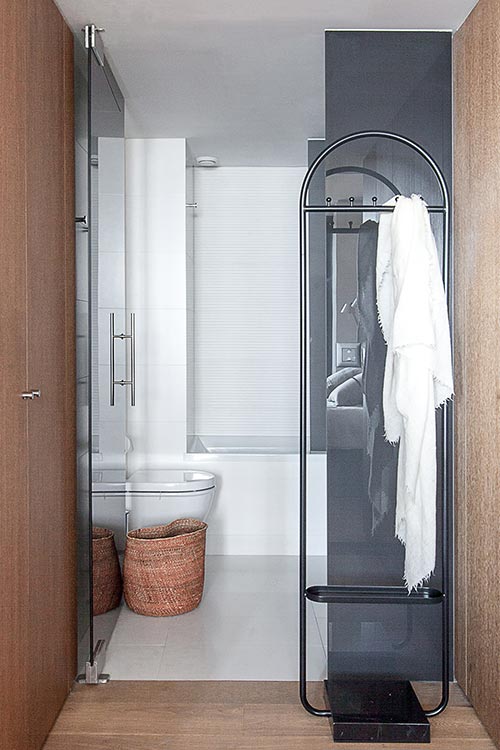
column 227, row 716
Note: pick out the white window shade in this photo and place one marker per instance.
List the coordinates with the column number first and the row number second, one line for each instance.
column 246, row 302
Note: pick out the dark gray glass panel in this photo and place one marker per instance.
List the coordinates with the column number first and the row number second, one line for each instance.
column 400, row 82
column 82, row 360
column 107, row 295
column 391, row 80
column 361, row 465
column 98, row 101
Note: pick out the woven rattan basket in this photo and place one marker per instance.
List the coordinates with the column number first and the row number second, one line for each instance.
column 107, row 577
column 164, row 568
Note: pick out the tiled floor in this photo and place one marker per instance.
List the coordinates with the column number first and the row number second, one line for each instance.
column 246, row 628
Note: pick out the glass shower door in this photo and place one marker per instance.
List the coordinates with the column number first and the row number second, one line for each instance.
column 106, row 350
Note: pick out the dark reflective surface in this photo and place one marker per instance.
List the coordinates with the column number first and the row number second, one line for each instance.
column 366, row 639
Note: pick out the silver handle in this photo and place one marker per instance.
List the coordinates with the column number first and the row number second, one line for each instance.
column 132, row 359
column 123, row 337
column 111, row 359
column 31, row 395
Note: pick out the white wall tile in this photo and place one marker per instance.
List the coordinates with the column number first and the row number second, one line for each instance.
column 156, row 280
column 156, row 443
column 111, row 279
column 112, row 445
column 111, row 165
column 246, row 301
column 156, row 223
column 155, row 165
column 160, row 394
column 111, row 223
column 161, row 337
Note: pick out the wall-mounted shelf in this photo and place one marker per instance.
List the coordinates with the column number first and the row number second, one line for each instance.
column 372, row 595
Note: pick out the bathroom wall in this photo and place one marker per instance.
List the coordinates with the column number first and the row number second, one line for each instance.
column 109, row 422
column 256, row 507
column 156, row 293
column 246, row 291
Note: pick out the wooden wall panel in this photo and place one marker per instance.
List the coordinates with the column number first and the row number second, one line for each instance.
column 51, row 456
column 477, row 314
column 37, row 349
column 69, row 456
column 13, row 411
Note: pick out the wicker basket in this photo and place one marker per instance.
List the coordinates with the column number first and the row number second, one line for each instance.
column 164, row 568
column 107, row 577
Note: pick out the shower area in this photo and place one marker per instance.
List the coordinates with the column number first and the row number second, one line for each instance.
column 159, row 389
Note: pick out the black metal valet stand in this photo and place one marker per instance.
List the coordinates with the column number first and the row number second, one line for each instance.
column 371, row 710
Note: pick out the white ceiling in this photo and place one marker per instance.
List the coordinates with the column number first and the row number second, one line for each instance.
column 241, row 79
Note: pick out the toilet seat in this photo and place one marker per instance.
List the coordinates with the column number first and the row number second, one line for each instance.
column 169, row 481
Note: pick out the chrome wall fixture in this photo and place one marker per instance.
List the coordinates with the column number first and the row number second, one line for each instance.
column 385, row 595
column 113, row 382
column 31, row 395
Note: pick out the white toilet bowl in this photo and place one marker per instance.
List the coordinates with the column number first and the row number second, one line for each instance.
column 155, row 497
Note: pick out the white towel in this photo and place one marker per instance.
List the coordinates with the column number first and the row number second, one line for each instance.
column 418, row 373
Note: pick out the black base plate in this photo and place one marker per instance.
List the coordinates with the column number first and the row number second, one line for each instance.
column 376, row 711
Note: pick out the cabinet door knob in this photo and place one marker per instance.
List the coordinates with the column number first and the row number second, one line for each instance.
column 31, row 395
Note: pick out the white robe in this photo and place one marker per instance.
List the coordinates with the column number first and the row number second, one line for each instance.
column 418, row 373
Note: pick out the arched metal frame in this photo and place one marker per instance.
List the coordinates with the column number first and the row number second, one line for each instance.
column 369, row 594
column 365, row 171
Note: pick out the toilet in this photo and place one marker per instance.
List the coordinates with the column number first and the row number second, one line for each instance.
column 155, row 497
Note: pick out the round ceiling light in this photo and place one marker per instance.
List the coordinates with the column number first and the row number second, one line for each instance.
column 207, row 161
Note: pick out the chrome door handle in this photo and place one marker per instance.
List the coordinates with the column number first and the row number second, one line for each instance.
column 31, row 395
column 123, row 337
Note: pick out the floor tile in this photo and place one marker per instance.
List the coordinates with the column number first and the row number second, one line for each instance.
column 132, row 628
column 246, row 628
column 133, row 662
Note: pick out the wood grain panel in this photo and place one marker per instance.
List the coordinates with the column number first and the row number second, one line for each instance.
column 13, row 411
column 239, row 742
column 37, row 463
column 69, row 456
column 477, row 270
column 234, row 716
column 51, row 453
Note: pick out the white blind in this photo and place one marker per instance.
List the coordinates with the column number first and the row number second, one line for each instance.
column 246, row 301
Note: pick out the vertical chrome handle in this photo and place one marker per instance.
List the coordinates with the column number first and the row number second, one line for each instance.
column 123, row 337
column 132, row 359
column 111, row 359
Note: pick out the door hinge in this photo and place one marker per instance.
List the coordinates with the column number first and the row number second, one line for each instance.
column 94, row 42
column 93, row 674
